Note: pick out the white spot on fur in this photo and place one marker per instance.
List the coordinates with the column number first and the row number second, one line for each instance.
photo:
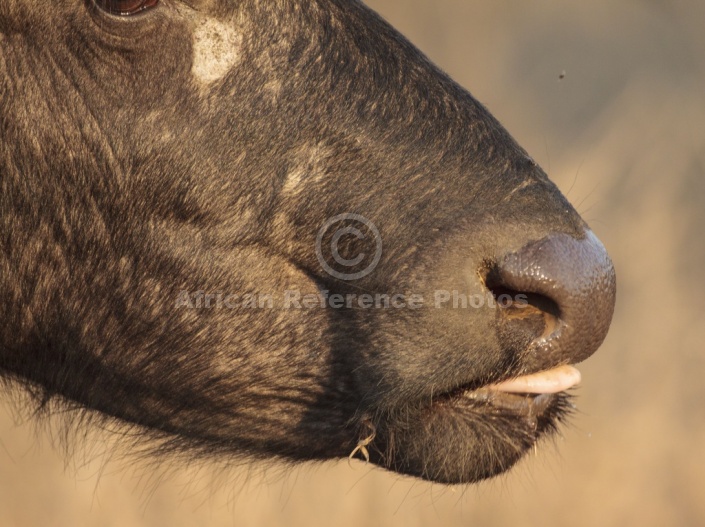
column 274, row 88
column 308, row 168
column 293, row 180
column 217, row 48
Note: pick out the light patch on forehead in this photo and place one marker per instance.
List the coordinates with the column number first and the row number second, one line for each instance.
column 217, row 48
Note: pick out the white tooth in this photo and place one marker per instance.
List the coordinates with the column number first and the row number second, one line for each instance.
column 549, row 381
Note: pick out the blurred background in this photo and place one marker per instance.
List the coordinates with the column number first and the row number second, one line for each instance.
column 609, row 97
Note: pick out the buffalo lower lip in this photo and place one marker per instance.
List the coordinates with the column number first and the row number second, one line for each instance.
column 525, row 405
column 528, row 396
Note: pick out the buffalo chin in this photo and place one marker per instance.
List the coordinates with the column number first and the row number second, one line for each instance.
column 467, row 436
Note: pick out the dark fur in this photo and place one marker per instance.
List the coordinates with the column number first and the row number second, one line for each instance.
column 124, row 183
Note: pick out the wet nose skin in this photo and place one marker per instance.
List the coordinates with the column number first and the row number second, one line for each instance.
column 572, row 283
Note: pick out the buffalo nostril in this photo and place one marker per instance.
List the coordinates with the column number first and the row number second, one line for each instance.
column 567, row 289
column 538, row 315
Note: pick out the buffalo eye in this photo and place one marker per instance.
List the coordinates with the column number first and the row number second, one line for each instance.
column 125, row 7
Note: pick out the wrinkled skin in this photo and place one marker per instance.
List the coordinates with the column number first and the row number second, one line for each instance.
column 139, row 160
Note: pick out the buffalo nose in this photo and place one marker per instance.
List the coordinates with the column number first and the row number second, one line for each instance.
column 568, row 287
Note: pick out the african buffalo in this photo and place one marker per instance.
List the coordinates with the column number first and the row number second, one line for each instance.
column 274, row 229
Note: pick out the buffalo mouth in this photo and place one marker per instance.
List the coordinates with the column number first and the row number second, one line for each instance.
column 528, row 397
column 473, row 433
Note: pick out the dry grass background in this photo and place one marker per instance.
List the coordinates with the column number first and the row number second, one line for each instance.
column 623, row 135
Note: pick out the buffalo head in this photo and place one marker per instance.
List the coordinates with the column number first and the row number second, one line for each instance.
column 275, row 229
